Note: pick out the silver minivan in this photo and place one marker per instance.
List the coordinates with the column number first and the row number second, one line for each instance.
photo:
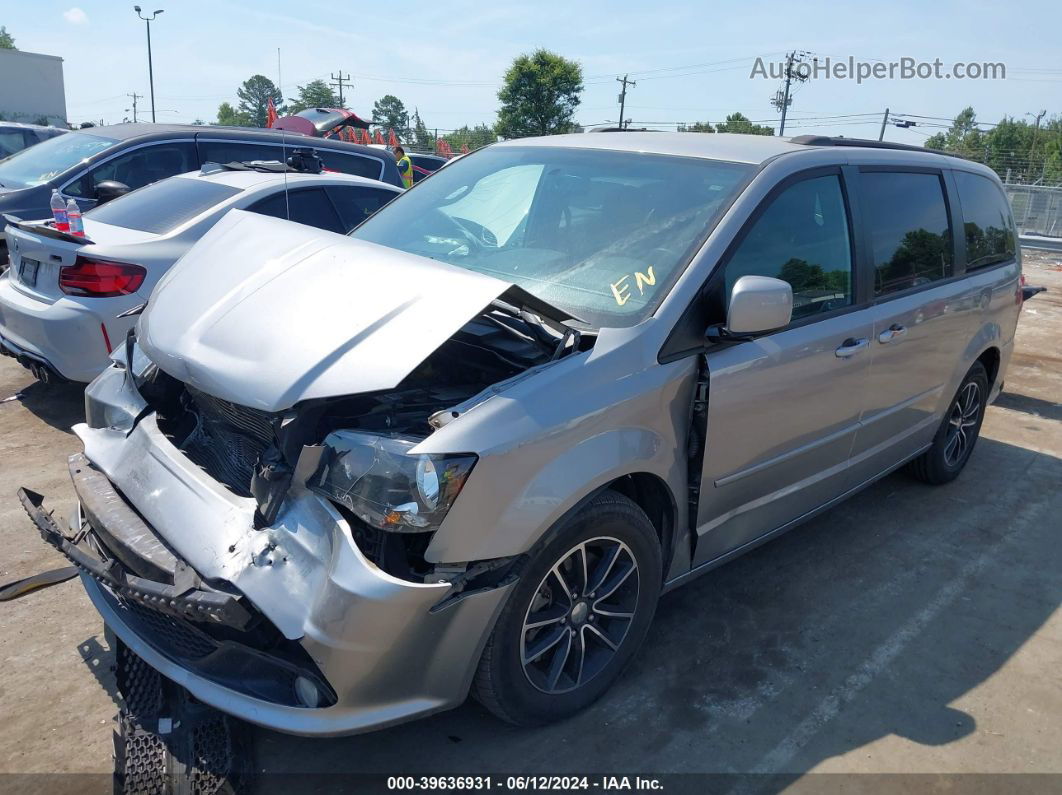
column 334, row 483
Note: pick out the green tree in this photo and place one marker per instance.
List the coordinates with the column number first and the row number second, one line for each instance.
column 1014, row 148
column 472, row 137
column 739, row 123
column 697, row 126
column 389, row 112
column 420, row 138
column 228, row 116
column 315, row 94
column 7, row 41
column 540, row 95
column 254, row 96
column 962, row 136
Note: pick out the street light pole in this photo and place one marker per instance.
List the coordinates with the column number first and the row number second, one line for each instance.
column 151, row 72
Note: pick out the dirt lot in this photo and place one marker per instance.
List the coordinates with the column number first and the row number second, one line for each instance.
column 911, row 630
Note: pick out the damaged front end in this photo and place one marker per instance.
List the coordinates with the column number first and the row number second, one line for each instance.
column 269, row 553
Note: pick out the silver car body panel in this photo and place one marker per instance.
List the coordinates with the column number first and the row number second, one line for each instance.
column 388, row 656
column 363, row 315
column 297, row 314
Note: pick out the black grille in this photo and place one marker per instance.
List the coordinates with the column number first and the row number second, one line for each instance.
column 260, row 663
column 227, row 439
column 177, row 638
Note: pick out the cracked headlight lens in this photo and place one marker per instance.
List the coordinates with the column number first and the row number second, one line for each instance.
column 384, row 485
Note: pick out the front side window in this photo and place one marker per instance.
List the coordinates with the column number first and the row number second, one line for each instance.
column 38, row 164
column 910, row 235
column 356, row 203
column 137, row 168
column 987, row 221
column 801, row 238
column 600, row 234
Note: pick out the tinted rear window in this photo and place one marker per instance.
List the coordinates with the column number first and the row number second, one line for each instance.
column 308, row 206
column 986, row 219
column 910, row 238
column 162, row 206
column 349, row 163
column 238, row 151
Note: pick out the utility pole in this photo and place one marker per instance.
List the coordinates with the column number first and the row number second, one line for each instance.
column 786, row 100
column 151, row 72
column 782, row 99
column 135, row 97
column 884, row 121
column 338, row 80
column 1036, row 131
column 623, row 98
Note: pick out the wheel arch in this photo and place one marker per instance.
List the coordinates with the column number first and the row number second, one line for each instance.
column 650, row 493
column 991, row 357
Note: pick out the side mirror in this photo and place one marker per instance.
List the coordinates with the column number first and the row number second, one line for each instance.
column 759, row 304
column 110, row 189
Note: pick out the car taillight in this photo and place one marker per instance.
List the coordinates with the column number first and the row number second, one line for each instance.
column 98, row 279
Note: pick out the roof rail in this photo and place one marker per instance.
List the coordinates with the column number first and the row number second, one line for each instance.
column 827, row 140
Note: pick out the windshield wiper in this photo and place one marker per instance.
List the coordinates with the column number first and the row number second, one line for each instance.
column 555, row 335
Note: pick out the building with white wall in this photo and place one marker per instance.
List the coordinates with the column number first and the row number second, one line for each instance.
column 31, row 88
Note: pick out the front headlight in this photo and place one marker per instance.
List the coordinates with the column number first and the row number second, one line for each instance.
column 385, row 486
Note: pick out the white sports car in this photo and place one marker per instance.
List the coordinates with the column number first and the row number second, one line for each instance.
column 66, row 302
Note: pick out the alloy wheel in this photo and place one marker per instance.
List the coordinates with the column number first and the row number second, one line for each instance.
column 579, row 615
column 963, row 417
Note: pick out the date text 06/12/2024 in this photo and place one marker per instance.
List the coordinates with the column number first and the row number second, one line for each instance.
column 521, row 783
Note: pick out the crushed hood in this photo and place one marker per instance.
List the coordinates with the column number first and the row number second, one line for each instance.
column 265, row 312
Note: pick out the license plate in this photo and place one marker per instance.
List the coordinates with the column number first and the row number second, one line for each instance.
column 27, row 272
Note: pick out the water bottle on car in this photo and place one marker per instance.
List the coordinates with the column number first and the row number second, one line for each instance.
column 73, row 215
column 62, row 222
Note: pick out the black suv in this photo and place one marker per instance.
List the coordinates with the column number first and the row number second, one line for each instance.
column 135, row 155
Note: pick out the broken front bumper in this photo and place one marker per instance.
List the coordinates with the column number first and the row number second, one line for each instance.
column 388, row 649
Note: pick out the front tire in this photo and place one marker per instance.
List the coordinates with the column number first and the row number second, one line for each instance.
column 578, row 614
column 958, row 432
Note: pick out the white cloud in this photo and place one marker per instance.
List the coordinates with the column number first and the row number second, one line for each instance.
column 75, row 16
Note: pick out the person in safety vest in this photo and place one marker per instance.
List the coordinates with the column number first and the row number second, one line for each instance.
column 405, row 166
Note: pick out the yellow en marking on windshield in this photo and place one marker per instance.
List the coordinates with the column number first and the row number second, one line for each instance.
column 621, row 290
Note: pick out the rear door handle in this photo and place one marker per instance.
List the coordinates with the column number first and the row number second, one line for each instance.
column 852, row 346
column 892, row 333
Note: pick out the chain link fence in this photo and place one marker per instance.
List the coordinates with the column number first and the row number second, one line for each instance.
column 1037, row 209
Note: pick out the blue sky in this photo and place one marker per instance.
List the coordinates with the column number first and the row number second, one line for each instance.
column 691, row 60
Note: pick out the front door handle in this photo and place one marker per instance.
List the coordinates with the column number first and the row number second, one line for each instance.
column 892, row 333
column 852, row 346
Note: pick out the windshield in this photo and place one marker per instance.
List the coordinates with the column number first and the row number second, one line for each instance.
column 600, row 234
column 48, row 159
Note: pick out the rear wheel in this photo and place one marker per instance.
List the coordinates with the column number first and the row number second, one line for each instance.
column 577, row 616
column 958, row 431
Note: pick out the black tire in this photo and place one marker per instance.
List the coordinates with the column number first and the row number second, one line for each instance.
column 958, row 431
column 604, row 538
